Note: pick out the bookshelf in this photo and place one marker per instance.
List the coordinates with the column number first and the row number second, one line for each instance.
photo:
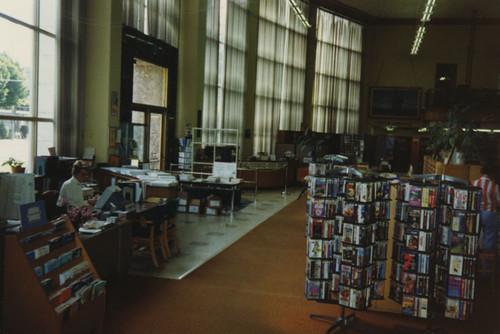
column 50, row 283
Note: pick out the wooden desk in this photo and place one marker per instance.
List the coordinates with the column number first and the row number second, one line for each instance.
column 110, row 250
column 205, row 184
column 106, row 178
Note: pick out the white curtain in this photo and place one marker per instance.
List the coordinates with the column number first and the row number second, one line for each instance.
column 134, row 14
column 225, row 70
column 157, row 18
column 336, row 94
column 281, row 63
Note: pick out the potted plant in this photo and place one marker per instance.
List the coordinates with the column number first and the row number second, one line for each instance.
column 16, row 166
column 455, row 139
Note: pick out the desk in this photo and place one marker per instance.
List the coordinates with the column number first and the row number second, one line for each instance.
column 233, row 186
column 110, row 250
column 106, row 178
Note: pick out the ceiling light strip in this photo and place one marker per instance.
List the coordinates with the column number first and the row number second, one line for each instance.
column 426, row 17
column 299, row 13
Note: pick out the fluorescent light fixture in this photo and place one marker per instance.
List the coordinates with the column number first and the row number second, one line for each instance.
column 426, row 17
column 299, row 13
column 475, row 130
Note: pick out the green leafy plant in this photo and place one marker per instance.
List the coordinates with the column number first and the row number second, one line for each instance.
column 13, row 163
column 457, row 133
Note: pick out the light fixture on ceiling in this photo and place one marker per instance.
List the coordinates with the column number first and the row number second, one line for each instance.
column 390, row 128
column 299, row 13
column 426, row 17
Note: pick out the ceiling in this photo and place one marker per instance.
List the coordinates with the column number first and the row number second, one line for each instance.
column 412, row 9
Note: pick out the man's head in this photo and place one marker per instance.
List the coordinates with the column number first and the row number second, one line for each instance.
column 489, row 169
column 80, row 170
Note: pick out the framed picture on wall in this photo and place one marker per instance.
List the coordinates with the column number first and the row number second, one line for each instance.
column 115, row 103
column 112, row 136
column 395, row 102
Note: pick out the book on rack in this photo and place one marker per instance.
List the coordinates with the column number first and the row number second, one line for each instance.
column 413, row 217
column 458, row 221
column 408, row 305
column 313, row 289
column 460, row 199
column 457, row 243
column 409, row 280
column 319, row 187
column 412, row 237
column 456, row 265
column 415, row 196
column 314, row 248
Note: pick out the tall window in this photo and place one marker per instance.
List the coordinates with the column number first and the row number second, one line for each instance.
column 225, row 60
column 149, row 107
column 337, row 79
column 281, row 67
column 28, row 80
column 156, row 18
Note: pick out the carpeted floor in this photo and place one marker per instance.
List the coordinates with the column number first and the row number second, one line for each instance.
column 254, row 286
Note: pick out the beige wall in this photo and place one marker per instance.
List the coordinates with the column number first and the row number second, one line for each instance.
column 387, row 60
column 102, row 59
column 191, row 63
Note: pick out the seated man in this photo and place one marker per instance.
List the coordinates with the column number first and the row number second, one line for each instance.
column 71, row 193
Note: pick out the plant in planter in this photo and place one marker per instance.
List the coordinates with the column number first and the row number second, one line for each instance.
column 16, row 166
column 456, row 135
column 309, row 142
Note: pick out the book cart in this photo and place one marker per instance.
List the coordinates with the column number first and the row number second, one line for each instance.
column 422, row 246
column 50, row 283
column 346, row 232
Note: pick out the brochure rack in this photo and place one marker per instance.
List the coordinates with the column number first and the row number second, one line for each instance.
column 459, row 226
column 51, row 285
column 346, row 233
column 435, row 248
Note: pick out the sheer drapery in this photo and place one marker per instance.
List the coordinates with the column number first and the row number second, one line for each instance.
column 281, row 63
column 134, row 14
column 225, row 70
column 157, row 18
column 336, row 93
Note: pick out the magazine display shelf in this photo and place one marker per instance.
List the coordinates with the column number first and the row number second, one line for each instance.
column 27, row 308
column 346, row 232
column 459, row 226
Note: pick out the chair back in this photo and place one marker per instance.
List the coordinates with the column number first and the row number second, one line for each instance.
column 171, row 208
column 50, row 198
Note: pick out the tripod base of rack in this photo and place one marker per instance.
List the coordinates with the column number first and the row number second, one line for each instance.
column 337, row 321
column 409, row 329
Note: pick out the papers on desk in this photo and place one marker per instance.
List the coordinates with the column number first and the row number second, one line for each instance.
column 94, row 226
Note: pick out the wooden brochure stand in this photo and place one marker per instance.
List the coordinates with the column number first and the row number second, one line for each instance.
column 27, row 308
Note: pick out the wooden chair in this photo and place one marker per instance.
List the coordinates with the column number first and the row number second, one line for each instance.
column 50, row 198
column 147, row 234
column 170, row 214
column 487, row 264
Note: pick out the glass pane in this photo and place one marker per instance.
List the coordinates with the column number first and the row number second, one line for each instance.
column 45, row 138
column 48, row 15
column 15, row 141
column 47, row 78
column 16, row 55
column 139, row 142
column 149, row 84
column 23, row 10
column 155, row 141
column 138, row 117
